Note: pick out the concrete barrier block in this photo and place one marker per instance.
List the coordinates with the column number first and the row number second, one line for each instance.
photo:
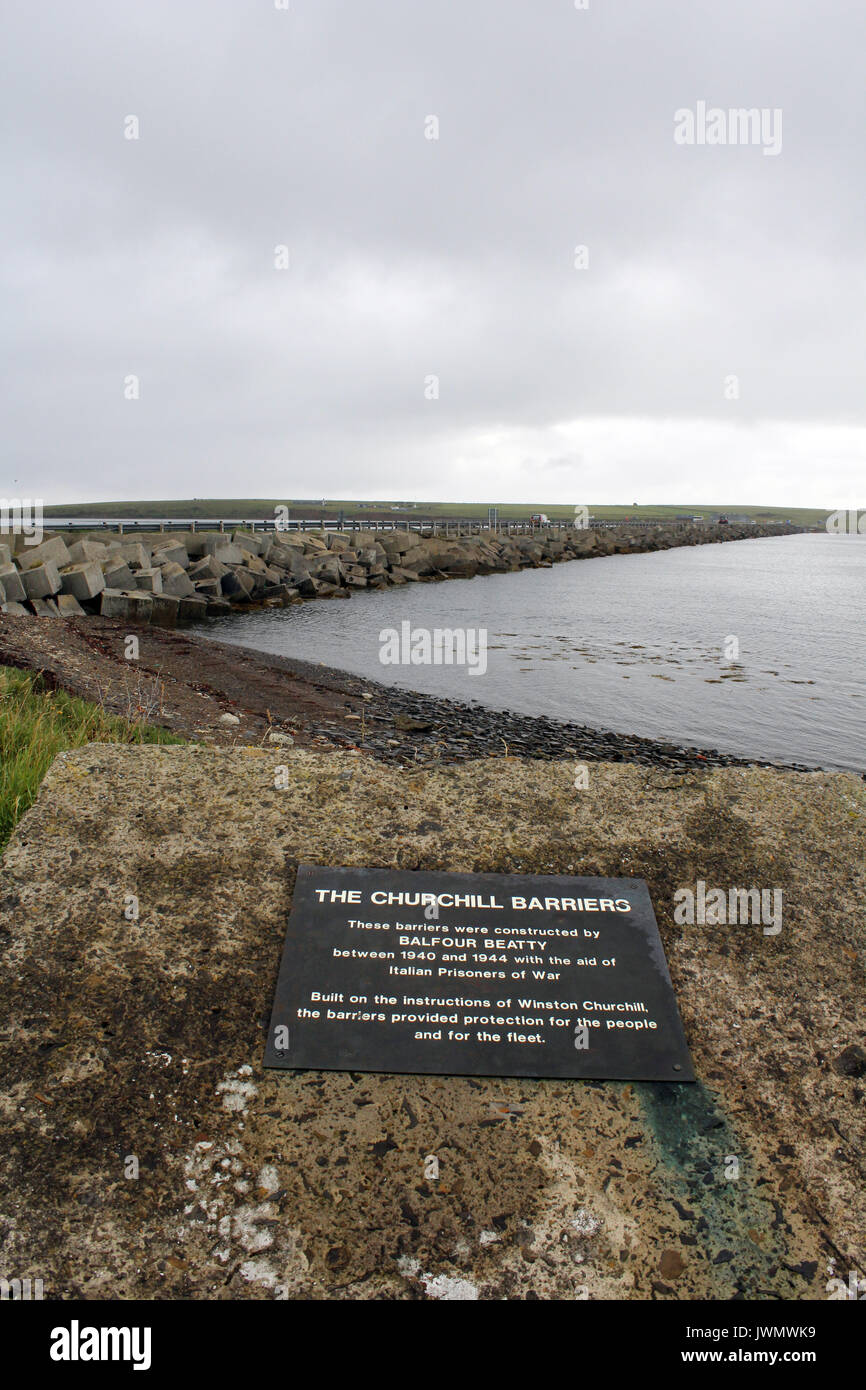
column 85, row 552
column 192, row 609
column 12, row 583
column 237, row 584
column 253, row 545
column 53, row 551
column 276, row 595
column 206, row 542
column 19, row 540
column 224, row 551
column 163, row 610
column 176, row 581
column 101, row 535
column 331, row 570
column 139, row 605
column 45, row 608
column 83, row 581
column 287, row 557
column 14, row 610
column 209, row 567
column 117, row 574
column 171, row 553
column 113, row 604
column 149, row 579
column 283, row 541
column 42, row 581
column 137, row 555
column 69, row 607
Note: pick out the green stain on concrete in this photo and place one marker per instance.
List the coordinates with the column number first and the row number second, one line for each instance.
column 710, row 1175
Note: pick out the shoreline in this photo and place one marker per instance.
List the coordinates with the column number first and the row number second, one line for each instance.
column 541, row 737
column 226, row 694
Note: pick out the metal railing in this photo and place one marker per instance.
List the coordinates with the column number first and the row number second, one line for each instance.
column 433, row 526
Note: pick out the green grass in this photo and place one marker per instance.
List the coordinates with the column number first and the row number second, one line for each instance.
column 36, row 724
column 246, row 508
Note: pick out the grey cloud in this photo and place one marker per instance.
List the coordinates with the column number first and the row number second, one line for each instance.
column 410, row 257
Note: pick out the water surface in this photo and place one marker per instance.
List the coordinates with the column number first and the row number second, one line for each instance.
column 635, row 643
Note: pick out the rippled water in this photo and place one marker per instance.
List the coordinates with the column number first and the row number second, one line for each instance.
column 634, row 643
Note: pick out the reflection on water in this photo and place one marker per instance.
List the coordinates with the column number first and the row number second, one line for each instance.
column 754, row 647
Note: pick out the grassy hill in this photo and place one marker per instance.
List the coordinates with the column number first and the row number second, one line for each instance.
column 246, row 508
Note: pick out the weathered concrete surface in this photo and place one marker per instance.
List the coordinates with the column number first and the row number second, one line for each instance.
column 145, row 1038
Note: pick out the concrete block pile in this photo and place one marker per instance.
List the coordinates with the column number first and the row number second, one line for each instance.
column 166, row 579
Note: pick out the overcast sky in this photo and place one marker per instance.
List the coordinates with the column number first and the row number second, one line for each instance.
column 707, row 347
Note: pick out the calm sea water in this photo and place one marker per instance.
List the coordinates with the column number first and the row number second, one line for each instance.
column 636, row 643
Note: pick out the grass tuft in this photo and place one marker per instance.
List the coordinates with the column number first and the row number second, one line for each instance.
column 37, row 723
